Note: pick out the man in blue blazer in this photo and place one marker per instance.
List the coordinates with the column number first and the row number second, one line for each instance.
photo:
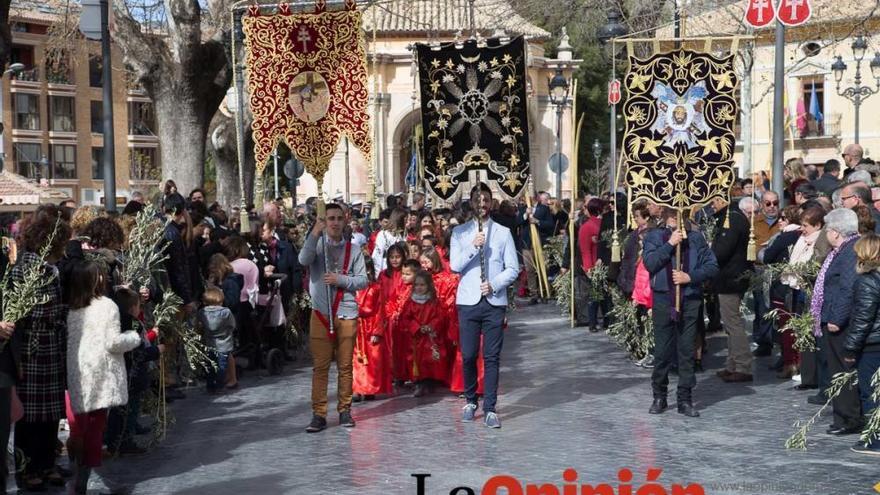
column 483, row 253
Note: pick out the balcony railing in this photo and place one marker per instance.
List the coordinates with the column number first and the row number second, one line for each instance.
column 59, row 77
column 32, row 75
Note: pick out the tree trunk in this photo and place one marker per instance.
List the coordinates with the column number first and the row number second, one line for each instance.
column 222, row 145
column 182, row 132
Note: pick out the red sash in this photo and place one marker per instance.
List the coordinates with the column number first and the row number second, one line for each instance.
column 339, row 293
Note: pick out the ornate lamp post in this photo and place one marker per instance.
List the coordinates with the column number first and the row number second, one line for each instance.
column 559, row 89
column 612, row 29
column 597, row 154
column 857, row 93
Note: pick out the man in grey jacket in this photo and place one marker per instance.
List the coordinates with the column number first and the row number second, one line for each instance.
column 335, row 275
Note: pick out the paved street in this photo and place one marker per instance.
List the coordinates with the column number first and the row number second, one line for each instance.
column 570, row 399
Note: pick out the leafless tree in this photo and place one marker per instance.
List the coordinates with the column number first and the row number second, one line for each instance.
column 176, row 50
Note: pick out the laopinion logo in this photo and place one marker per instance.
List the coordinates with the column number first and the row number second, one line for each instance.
column 510, row 485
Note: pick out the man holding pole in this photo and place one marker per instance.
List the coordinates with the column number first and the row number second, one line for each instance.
column 542, row 218
column 484, row 254
column 679, row 262
column 336, row 273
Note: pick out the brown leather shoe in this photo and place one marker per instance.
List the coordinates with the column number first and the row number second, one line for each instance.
column 736, row 377
column 721, row 374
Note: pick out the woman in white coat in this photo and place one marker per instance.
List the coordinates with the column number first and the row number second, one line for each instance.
column 391, row 234
column 96, row 376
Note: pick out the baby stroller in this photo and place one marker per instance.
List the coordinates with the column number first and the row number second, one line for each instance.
column 266, row 345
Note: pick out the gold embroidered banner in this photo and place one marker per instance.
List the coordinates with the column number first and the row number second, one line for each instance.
column 679, row 140
column 307, row 78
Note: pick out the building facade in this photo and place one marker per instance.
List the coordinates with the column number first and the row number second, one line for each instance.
column 53, row 114
column 819, row 121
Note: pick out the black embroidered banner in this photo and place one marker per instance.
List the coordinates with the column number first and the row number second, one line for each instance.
column 474, row 114
column 680, row 115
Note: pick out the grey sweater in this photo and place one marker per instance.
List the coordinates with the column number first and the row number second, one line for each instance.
column 355, row 279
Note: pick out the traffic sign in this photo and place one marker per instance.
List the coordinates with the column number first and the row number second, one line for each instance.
column 555, row 164
column 293, row 169
column 760, row 13
column 614, row 92
column 794, row 12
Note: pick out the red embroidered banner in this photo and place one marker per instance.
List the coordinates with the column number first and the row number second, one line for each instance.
column 307, row 79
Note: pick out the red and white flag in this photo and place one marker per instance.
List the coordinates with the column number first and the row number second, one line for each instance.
column 794, row 12
column 759, row 13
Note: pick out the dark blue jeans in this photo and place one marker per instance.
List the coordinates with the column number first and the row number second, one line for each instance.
column 486, row 320
column 867, row 365
column 762, row 329
column 216, row 380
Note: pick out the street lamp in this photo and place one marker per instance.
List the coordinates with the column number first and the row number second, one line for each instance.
column 13, row 69
column 597, row 152
column 559, row 88
column 95, row 25
column 857, row 93
column 612, row 29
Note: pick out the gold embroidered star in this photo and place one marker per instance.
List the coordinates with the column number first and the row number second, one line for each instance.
column 449, row 64
column 507, row 58
column 511, row 81
column 724, row 80
column 638, row 81
column 435, row 63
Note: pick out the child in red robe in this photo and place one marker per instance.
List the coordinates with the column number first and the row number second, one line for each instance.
column 402, row 356
column 424, row 320
column 446, row 284
column 372, row 359
column 391, row 288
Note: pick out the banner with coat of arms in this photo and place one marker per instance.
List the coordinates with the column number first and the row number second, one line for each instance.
column 474, row 115
column 307, row 79
column 680, row 115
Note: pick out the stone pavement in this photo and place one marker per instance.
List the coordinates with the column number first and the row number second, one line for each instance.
column 570, row 399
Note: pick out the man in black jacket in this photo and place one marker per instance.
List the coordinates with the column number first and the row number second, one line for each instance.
column 177, row 263
column 829, row 181
column 730, row 246
column 675, row 331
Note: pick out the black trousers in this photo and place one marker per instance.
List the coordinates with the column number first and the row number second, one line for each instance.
column 671, row 340
column 37, row 442
column 847, row 408
column 5, row 406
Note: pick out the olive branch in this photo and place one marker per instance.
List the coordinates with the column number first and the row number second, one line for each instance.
column 798, row 441
column 24, row 294
column 145, row 252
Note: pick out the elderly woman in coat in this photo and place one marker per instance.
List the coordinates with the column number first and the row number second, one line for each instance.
column 831, row 307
